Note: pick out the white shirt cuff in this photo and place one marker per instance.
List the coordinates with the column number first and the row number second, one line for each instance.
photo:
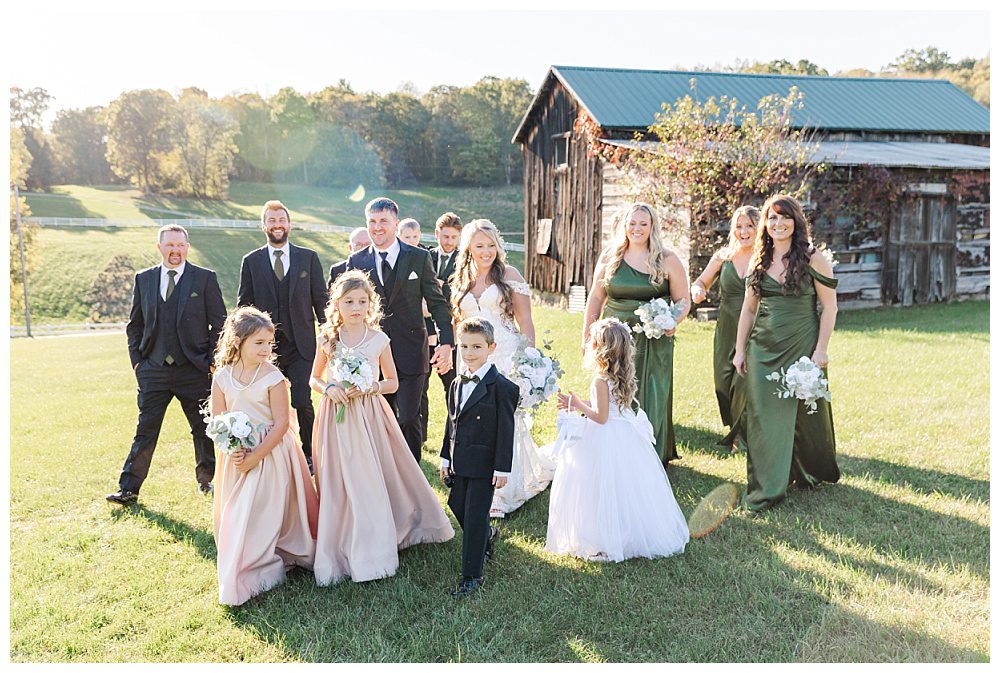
column 500, row 474
column 445, row 463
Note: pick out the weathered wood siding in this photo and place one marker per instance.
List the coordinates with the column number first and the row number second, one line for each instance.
column 562, row 182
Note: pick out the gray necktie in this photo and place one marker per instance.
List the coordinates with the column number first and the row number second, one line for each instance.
column 279, row 267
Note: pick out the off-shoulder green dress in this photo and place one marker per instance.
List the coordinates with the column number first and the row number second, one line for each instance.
column 728, row 384
column 654, row 358
column 785, row 443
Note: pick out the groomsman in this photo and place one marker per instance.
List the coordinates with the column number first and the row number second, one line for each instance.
column 286, row 281
column 176, row 317
column 447, row 231
column 359, row 240
column 404, row 279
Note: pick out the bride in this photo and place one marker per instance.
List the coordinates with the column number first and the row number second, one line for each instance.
column 485, row 286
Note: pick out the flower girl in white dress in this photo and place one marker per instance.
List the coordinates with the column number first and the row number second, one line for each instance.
column 611, row 499
column 485, row 286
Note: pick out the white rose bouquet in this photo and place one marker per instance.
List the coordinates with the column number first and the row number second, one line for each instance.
column 535, row 373
column 231, row 431
column 804, row 381
column 350, row 369
column 657, row 316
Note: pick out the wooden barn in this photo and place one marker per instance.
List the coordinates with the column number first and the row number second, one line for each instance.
column 927, row 134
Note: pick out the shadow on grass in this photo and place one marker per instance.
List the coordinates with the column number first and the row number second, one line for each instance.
column 921, row 480
column 202, row 540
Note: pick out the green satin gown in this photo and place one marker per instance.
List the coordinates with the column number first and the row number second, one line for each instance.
column 654, row 358
column 785, row 444
column 728, row 384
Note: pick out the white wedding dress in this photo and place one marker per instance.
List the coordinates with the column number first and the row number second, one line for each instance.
column 531, row 470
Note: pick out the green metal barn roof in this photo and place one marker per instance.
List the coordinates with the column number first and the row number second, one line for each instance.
column 629, row 99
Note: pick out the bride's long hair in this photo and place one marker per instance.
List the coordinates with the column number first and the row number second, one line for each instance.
column 657, row 257
column 465, row 269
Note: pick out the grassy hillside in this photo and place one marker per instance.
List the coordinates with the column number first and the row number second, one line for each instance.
column 890, row 564
column 502, row 205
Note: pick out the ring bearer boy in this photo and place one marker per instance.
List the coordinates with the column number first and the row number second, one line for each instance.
column 478, row 446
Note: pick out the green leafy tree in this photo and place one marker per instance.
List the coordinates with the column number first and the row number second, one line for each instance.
column 926, row 60
column 397, row 130
column 294, row 124
column 783, row 67
column 20, row 164
column 110, row 295
column 27, row 106
column 204, row 145
column 79, row 147
column 140, row 136
column 255, row 141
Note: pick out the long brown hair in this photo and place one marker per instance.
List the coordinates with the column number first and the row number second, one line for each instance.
column 797, row 257
column 465, row 269
column 355, row 279
column 612, row 357
column 241, row 324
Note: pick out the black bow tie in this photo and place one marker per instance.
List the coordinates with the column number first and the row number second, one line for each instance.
column 467, row 379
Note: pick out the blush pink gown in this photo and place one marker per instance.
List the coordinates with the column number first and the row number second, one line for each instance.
column 264, row 521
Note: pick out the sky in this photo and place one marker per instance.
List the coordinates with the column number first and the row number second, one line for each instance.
column 89, row 57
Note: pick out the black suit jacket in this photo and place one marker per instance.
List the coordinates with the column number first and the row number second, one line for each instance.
column 446, row 271
column 335, row 271
column 402, row 311
column 201, row 313
column 306, row 290
column 480, row 438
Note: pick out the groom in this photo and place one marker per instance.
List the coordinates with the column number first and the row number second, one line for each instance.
column 403, row 276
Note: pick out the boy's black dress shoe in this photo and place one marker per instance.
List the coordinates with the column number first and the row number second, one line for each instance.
column 491, row 541
column 467, row 586
column 123, row 497
column 206, row 488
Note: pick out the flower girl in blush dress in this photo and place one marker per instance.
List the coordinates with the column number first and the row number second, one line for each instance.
column 374, row 498
column 611, row 499
column 265, row 506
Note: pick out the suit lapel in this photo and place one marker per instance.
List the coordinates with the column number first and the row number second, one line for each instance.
column 479, row 392
column 151, row 294
column 265, row 273
column 183, row 287
column 402, row 269
column 293, row 259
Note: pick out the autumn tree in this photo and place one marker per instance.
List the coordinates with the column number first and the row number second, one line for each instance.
column 204, row 147
column 140, row 135
column 79, row 147
column 20, row 164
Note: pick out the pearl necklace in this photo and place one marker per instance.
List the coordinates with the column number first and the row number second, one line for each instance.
column 236, row 383
column 357, row 344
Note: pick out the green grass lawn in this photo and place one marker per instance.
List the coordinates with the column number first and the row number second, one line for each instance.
column 503, row 205
column 891, row 564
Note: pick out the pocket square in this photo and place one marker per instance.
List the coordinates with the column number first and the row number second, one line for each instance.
column 303, row 274
column 194, row 294
column 413, row 275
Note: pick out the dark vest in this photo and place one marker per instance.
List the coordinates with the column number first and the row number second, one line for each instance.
column 166, row 331
column 284, row 315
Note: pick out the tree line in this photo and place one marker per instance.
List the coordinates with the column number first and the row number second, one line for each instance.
column 193, row 145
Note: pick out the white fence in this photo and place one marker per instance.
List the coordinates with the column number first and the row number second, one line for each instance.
column 62, row 330
column 206, row 224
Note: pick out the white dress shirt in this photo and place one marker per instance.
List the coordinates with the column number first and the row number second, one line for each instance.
column 443, row 259
column 285, row 259
column 465, row 390
column 393, row 251
column 164, row 278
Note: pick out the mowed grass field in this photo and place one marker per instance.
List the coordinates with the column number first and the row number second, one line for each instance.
column 890, row 564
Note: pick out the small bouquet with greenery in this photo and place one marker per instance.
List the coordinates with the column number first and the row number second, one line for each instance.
column 350, row 369
column 804, row 381
column 657, row 316
column 535, row 373
column 232, row 431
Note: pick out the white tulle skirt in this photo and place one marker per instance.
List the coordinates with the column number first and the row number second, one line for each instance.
column 531, row 470
column 611, row 498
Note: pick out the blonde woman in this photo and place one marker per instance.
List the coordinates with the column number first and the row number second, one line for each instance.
column 729, row 264
column 635, row 268
column 485, row 286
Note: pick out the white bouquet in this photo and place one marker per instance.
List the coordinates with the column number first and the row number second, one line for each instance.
column 804, row 381
column 231, row 431
column 352, row 370
column 658, row 315
column 536, row 374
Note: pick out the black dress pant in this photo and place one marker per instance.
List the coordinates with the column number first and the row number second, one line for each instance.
column 158, row 385
column 446, row 380
column 470, row 501
column 297, row 370
column 405, row 403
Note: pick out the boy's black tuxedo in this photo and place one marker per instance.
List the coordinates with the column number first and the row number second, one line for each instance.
column 478, row 441
column 412, row 282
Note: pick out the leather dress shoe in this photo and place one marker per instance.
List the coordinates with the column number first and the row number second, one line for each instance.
column 491, row 541
column 467, row 586
column 206, row 488
column 123, row 497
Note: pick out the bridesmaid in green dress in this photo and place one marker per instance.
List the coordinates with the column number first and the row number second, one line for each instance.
column 729, row 264
column 635, row 267
column 787, row 278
